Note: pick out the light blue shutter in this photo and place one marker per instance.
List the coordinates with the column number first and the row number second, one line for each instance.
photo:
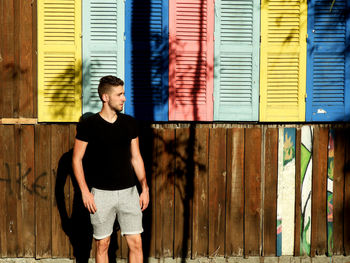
column 328, row 61
column 236, row 60
column 103, row 47
column 146, row 59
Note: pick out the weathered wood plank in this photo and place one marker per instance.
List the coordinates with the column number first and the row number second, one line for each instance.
column 158, row 181
column 1, row 57
column 270, row 195
column 217, row 191
column 338, row 197
column 93, row 248
column 297, row 192
column 18, row 121
column 200, row 236
column 25, row 61
column 164, row 191
column 119, row 248
column 148, row 147
column 8, row 59
column 16, row 67
column 319, row 190
column 12, row 189
column 26, row 172
column 19, row 189
column 153, row 194
column 184, row 173
column 252, row 190
column 167, row 191
column 4, row 183
column 42, row 190
column 124, row 245
column 59, row 146
column 347, row 194
column 234, row 193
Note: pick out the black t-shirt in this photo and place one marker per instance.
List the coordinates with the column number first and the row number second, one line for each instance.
column 107, row 159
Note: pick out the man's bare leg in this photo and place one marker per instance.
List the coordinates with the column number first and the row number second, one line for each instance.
column 135, row 248
column 102, row 250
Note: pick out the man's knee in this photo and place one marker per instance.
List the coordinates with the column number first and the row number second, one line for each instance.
column 102, row 245
column 134, row 243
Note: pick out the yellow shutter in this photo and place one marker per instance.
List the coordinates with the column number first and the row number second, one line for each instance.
column 283, row 60
column 59, row 60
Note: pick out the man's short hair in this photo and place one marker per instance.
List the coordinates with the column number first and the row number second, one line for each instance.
column 106, row 83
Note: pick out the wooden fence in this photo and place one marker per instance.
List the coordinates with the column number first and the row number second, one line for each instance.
column 213, row 191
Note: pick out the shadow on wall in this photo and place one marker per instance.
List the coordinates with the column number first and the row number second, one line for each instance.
column 146, row 61
column 77, row 226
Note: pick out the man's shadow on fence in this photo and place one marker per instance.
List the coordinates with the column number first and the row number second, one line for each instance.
column 77, row 226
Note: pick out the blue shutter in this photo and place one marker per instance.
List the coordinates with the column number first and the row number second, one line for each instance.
column 236, row 74
column 103, row 47
column 146, row 59
column 328, row 62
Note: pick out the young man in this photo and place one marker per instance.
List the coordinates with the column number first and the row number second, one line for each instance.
column 106, row 153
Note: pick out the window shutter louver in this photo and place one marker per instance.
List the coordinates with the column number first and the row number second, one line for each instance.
column 103, row 47
column 283, row 60
column 327, row 74
column 59, row 60
column 146, row 55
column 236, row 74
column 191, row 60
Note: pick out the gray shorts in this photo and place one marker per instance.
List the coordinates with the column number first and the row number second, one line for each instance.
column 121, row 203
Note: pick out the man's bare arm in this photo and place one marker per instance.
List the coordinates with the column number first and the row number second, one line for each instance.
column 139, row 168
column 77, row 162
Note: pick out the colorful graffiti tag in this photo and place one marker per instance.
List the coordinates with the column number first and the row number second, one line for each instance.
column 286, row 192
column 330, row 176
column 306, row 186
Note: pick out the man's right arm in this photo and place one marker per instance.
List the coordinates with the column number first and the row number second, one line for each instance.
column 77, row 162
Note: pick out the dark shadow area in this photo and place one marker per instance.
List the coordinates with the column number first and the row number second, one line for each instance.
column 186, row 175
column 146, row 147
column 146, row 60
column 77, row 226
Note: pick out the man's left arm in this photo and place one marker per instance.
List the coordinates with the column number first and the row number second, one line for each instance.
column 139, row 168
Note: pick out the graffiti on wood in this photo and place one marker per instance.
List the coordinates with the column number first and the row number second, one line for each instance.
column 34, row 188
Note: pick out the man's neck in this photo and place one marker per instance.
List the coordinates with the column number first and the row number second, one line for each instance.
column 108, row 114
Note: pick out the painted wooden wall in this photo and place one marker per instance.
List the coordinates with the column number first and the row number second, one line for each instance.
column 18, row 74
column 181, row 69
column 215, row 191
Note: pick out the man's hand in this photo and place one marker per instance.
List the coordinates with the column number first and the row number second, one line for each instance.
column 89, row 202
column 144, row 199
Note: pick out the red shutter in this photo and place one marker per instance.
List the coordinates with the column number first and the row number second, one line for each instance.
column 191, row 57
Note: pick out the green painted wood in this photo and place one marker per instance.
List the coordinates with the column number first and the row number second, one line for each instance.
column 103, row 47
column 236, row 60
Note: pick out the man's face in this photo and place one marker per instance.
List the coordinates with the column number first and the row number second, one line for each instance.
column 116, row 98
